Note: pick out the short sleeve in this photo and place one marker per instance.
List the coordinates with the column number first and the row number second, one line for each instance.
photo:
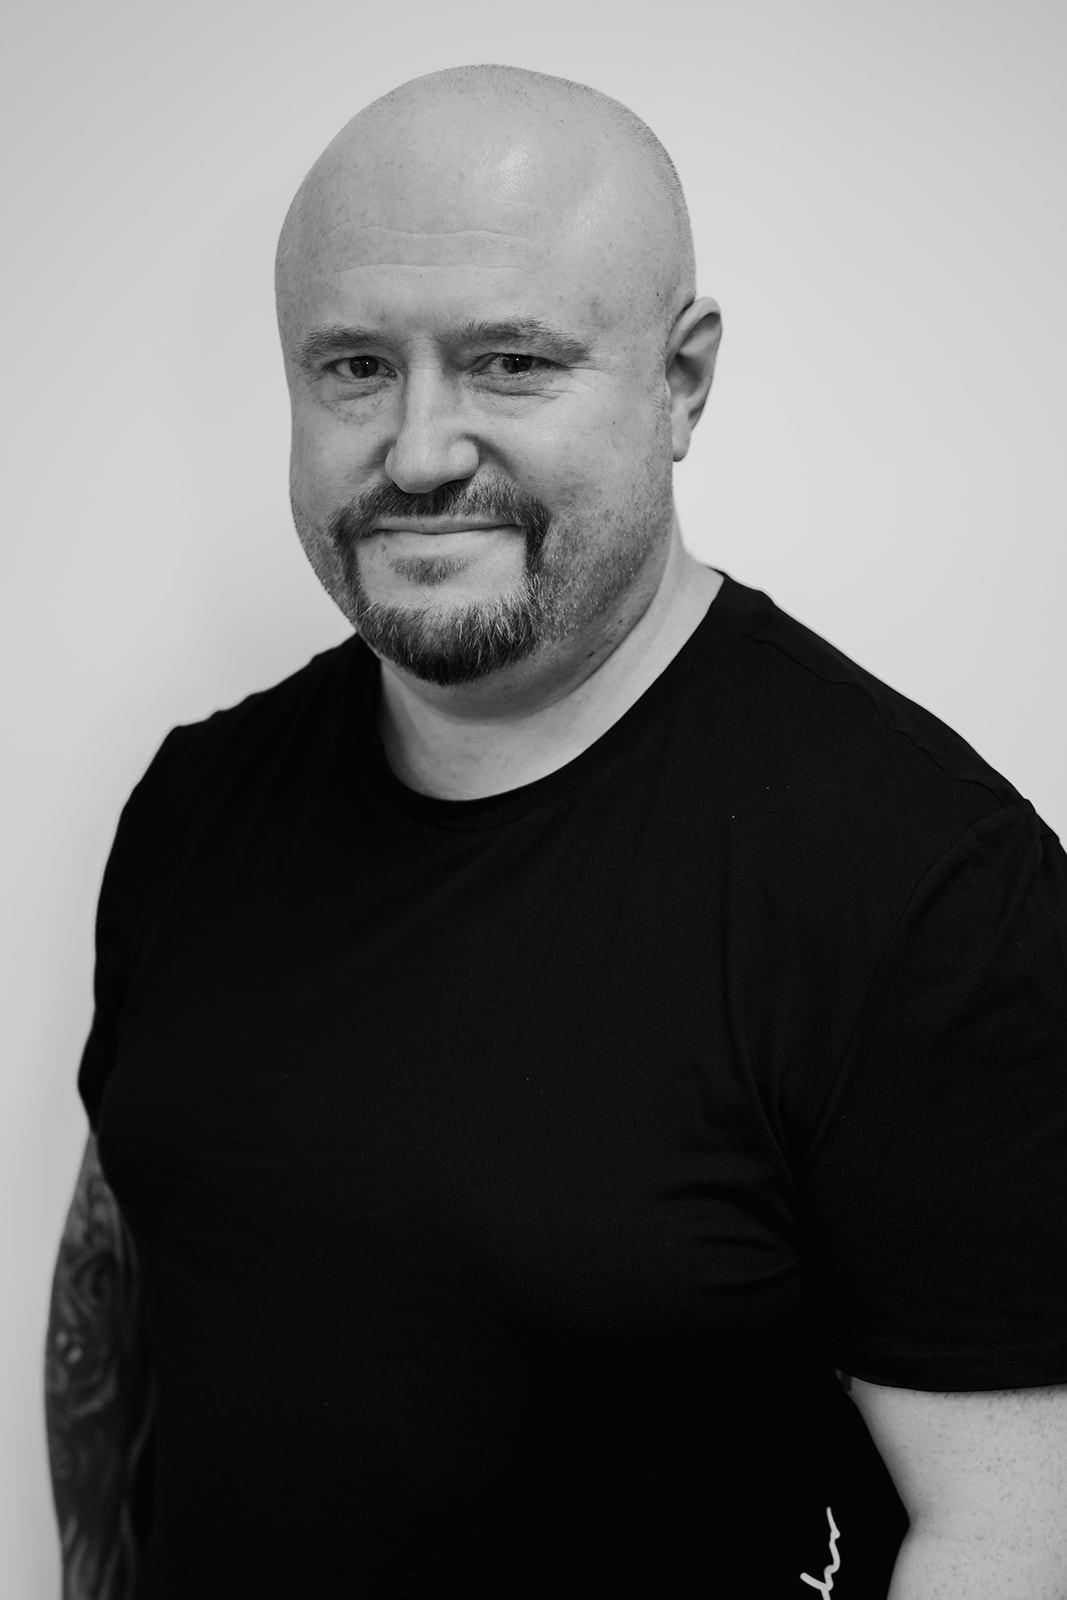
column 934, row 1195
column 120, row 890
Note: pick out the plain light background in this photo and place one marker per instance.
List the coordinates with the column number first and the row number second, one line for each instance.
column 876, row 192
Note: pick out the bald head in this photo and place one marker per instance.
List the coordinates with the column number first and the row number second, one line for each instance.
column 495, row 355
column 549, row 168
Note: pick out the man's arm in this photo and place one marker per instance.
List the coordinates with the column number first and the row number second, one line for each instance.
column 983, row 1477
column 98, row 1391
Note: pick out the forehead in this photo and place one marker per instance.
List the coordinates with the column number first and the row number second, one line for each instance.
column 416, row 281
column 461, row 173
column 482, row 235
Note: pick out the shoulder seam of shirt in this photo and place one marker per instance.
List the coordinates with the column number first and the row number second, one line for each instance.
column 1004, row 797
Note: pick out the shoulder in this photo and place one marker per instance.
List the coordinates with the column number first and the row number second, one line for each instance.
column 234, row 733
column 259, row 731
column 837, row 819
column 856, row 766
column 260, row 749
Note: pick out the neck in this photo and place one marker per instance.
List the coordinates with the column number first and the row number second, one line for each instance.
column 479, row 739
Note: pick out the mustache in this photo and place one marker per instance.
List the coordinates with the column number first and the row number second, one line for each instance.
column 500, row 502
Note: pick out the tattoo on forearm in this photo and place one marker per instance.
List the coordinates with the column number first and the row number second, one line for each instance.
column 97, row 1392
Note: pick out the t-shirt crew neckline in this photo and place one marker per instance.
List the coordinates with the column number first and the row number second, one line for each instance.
column 730, row 609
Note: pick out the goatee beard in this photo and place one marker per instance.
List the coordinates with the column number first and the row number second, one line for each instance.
column 467, row 643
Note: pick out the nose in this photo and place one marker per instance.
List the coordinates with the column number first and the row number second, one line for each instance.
column 432, row 445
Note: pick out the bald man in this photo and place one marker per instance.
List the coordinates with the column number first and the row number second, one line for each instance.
column 577, row 1082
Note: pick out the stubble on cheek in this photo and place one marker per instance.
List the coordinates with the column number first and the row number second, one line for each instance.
column 327, row 559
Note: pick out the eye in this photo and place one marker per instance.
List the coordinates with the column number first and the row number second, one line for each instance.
column 354, row 368
column 521, row 366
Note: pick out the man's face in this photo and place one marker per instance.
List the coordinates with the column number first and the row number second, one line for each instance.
column 482, row 458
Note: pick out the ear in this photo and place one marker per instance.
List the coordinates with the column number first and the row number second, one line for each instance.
column 690, row 359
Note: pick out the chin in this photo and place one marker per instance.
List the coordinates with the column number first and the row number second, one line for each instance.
column 452, row 644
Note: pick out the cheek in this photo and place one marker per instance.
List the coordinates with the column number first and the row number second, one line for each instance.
column 326, row 463
column 582, row 453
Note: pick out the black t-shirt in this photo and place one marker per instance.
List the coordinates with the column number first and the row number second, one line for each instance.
column 508, row 1176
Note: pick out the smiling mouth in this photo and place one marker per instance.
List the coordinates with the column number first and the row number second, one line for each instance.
column 442, row 525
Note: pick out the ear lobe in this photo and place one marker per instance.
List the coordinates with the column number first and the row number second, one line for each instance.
column 691, row 353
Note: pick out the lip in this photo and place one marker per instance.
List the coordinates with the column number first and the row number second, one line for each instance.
column 437, row 525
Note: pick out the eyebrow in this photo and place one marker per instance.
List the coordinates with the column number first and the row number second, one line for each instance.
column 322, row 343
